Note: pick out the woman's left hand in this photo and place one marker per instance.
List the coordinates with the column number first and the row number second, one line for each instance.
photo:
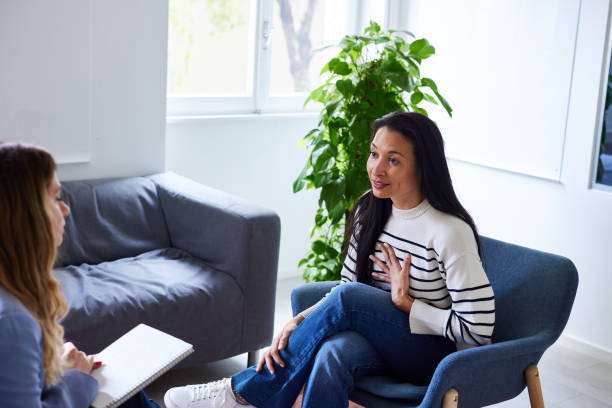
column 75, row 359
column 396, row 274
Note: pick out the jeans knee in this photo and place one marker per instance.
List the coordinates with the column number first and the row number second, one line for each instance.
column 329, row 357
column 346, row 292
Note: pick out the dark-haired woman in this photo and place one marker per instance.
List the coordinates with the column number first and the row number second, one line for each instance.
column 36, row 368
column 413, row 288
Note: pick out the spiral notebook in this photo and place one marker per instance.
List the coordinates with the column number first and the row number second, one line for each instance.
column 133, row 361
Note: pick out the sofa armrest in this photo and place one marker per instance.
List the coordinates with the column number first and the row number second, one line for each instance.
column 230, row 234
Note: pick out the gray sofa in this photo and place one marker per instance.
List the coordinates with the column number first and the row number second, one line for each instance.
column 165, row 251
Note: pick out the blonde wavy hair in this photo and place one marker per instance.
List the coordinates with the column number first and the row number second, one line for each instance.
column 27, row 247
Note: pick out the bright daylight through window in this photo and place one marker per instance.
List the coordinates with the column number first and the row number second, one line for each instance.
column 208, row 47
column 245, row 56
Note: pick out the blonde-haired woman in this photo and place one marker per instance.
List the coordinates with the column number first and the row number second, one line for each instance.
column 38, row 369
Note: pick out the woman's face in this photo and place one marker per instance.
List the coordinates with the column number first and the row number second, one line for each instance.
column 57, row 208
column 393, row 170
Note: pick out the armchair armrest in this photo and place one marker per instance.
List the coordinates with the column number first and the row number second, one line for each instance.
column 307, row 295
column 487, row 374
column 230, row 234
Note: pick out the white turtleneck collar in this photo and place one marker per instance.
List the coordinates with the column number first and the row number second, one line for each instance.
column 412, row 212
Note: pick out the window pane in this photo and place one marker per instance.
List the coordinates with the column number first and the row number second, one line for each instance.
column 208, row 46
column 604, row 166
column 301, row 26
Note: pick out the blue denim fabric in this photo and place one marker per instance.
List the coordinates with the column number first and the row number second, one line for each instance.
column 356, row 330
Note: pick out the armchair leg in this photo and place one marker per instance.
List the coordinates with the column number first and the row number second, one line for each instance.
column 451, row 399
column 252, row 358
column 532, row 377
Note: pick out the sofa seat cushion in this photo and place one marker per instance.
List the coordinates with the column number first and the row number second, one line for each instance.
column 165, row 288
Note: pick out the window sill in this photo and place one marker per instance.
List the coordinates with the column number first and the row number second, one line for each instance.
column 192, row 119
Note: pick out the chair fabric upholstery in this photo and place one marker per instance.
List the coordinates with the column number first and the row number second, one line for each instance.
column 534, row 293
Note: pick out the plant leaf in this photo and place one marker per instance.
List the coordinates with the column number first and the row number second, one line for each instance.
column 392, row 66
column 317, row 95
column 345, row 86
column 416, row 97
column 428, row 82
column 332, row 107
column 421, row 49
column 373, row 28
column 332, row 196
column 323, row 161
column 319, row 247
column 299, row 183
column 322, row 179
column 339, row 67
column 420, row 110
column 329, row 264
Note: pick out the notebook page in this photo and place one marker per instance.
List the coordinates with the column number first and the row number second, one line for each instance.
column 134, row 358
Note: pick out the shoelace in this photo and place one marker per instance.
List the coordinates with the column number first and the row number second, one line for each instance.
column 207, row 391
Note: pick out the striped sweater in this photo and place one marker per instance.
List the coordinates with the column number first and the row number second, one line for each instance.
column 453, row 296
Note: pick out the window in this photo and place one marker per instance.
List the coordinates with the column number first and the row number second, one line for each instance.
column 208, row 39
column 603, row 172
column 255, row 56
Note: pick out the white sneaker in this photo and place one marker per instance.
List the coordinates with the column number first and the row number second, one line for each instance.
column 216, row 394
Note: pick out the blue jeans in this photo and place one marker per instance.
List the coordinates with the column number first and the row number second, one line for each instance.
column 355, row 331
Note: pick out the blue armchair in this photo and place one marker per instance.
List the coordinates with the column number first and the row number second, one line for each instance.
column 534, row 293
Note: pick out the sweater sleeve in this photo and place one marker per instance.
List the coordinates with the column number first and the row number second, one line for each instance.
column 471, row 316
column 21, row 370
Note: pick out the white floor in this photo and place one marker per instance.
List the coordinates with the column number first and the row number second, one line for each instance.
column 569, row 379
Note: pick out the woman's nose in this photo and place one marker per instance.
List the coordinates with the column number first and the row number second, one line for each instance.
column 379, row 167
column 65, row 209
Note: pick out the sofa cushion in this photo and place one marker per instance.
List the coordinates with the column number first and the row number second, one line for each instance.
column 166, row 288
column 111, row 219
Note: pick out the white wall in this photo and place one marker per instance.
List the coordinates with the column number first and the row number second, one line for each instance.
column 252, row 156
column 566, row 217
column 91, row 73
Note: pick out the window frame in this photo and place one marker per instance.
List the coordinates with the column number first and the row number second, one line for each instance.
column 259, row 100
column 601, row 114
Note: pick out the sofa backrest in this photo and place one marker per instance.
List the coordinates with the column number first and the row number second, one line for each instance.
column 111, row 219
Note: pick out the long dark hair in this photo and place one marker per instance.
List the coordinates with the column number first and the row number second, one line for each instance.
column 370, row 214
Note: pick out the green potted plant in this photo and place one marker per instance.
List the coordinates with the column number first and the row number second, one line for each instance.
column 373, row 74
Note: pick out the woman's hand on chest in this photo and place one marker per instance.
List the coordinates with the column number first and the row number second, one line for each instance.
column 396, row 274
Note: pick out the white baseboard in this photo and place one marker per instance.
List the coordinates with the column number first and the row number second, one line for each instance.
column 585, row 347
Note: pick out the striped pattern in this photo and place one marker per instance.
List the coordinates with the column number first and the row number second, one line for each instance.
column 458, row 301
